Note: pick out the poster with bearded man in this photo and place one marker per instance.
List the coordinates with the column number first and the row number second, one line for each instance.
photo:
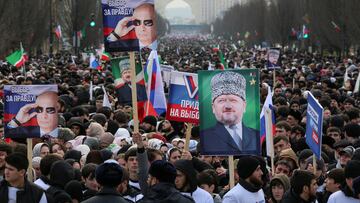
column 229, row 112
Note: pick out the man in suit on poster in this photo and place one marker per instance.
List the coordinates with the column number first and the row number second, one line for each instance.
column 229, row 136
column 46, row 111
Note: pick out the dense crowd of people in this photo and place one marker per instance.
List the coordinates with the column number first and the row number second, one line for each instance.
column 97, row 157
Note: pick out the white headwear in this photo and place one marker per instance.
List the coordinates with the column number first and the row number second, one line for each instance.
column 122, row 133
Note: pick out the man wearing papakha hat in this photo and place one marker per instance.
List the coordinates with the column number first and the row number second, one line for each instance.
column 229, row 136
column 123, row 91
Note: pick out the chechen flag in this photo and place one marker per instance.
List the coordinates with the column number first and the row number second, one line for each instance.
column 223, row 64
column 58, row 31
column 263, row 133
column 17, row 58
column 156, row 104
column 105, row 56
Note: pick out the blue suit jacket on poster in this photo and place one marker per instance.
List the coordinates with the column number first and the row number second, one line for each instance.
column 124, row 94
column 218, row 141
column 22, row 132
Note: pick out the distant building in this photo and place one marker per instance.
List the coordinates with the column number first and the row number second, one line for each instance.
column 204, row 11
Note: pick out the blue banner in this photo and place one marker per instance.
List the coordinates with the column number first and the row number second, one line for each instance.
column 183, row 104
column 314, row 124
column 30, row 111
column 128, row 25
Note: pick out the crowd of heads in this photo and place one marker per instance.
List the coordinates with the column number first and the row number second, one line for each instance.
column 94, row 148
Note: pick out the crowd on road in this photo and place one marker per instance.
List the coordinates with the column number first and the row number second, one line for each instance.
column 97, row 157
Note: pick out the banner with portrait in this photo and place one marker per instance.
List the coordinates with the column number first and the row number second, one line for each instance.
column 229, row 112
column 273, row 59
column 30, row 111
column 183, row 104
column 314, row 124
column 166, row 74
column 122, row 78
column 129, row 25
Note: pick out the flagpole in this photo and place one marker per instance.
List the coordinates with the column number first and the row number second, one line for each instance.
column 148, row 88
column 22, row 56
column 134, row 92
column 269, row 134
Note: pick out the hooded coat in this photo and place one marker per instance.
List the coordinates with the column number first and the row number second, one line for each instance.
column 186, row 167
column 198, row 194
column 67, row 174
column 284, row 180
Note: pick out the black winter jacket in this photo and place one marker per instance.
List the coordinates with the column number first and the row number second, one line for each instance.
column 31, row 193
column 165, row 193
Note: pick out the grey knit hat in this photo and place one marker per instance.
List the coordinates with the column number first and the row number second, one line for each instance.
column 226, row 83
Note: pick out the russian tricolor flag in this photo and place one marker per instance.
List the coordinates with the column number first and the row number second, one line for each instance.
column 58, row 32
column 156, row 104
column 263, row 132
column 94, row 64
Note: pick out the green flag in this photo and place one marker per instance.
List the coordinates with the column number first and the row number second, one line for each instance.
column 17, row 58
column 223, row 63
column 222, row 60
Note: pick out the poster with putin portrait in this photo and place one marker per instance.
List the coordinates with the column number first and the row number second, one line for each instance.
column 31, row 111
column 273, row 59
column 129, row 25
column 229, row 112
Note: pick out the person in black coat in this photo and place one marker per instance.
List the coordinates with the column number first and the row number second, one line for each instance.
column 161, row 180
column 21, row 190
column 108, row 175
column 303, row 188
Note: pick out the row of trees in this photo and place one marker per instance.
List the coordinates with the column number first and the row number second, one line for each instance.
column 32, row 22
column 333, row 24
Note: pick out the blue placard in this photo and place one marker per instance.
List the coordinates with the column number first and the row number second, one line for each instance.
column 314, row 124
column 129, row 25
column 30, row 111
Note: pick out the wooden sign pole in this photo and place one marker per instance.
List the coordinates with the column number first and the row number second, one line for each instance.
column 274, row 78
column 231, row 172
column 29, row 156
column 188, row 135
column 134, row 92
